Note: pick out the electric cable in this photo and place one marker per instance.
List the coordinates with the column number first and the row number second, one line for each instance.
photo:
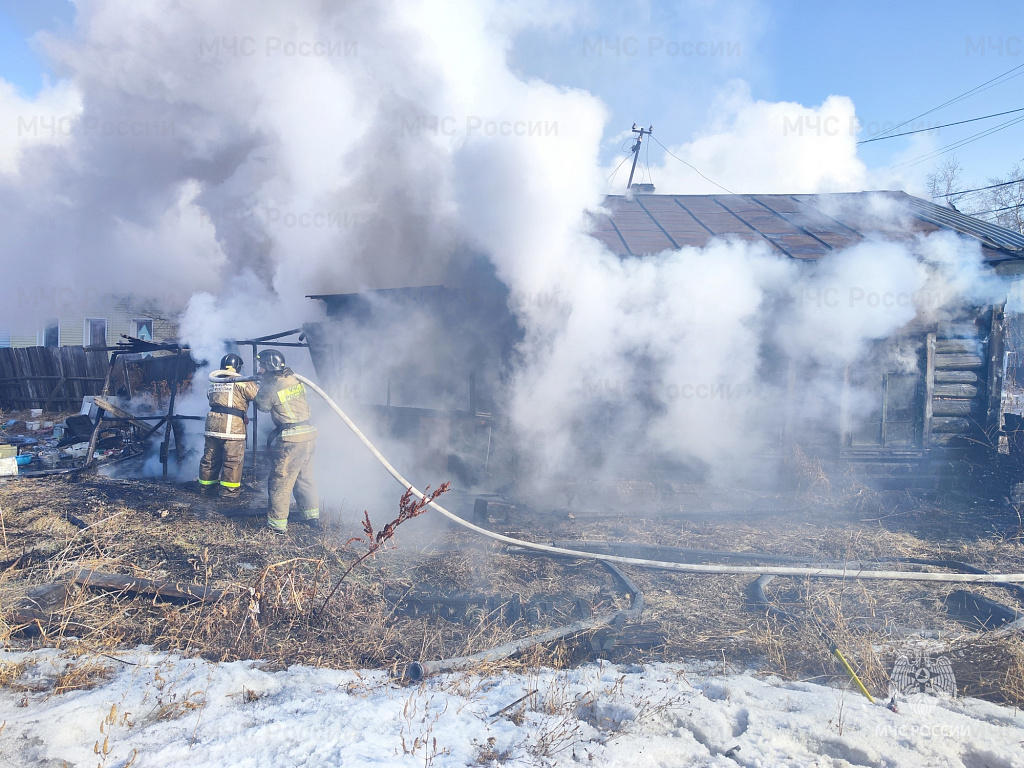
column 980, row 189
column 997, row 210
column 647, row 163
column 840, row 573
column 669, row 152
column 936, row 127
column 611, row 176
column 961, row 97
column 961, row 143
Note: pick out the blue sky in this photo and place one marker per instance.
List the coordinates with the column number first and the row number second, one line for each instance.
column 20, row 61
column 894, row 59
column 662, row 63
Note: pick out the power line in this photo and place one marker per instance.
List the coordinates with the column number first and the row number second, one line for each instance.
column 954, row 100
column 996, row 210
column 979, row 189
column 961, row 143
column 611, row 176
column 936, row 127
column 647, row 162
column 690, row 166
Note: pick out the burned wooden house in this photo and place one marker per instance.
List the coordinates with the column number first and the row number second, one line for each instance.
column 955, row 409
column 955, row 403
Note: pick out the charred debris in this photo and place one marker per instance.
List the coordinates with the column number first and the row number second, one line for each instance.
column 128, row 412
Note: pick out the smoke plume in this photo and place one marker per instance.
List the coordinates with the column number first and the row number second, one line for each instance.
column 228, row 159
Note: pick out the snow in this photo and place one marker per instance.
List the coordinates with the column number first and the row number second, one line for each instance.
column 157, row 709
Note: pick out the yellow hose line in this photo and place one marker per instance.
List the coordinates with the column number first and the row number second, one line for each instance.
column 851, row 673
column 753, row 570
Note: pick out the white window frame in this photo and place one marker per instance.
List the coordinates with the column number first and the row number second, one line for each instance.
column 41, row 335
column 87, row 330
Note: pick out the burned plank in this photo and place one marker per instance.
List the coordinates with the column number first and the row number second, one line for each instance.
column 955, row 390
column 958, row 361
column 48, row 597
column 950, row 425
column 978, row 610
column 956, row 377
column 34, row 613
column 948, row 439
column 179, row 590
column 644, row 636
column 118, row 413
column 944, row 407
column 944, row 346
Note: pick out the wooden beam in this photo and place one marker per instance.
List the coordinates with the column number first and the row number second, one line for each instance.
column 175, row 589
column 118, row 413
column 53, row 393
column 996, row 338
column 929, row 390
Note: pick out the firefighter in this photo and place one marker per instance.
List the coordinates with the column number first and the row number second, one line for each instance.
column 224, row 453
column 293, row 441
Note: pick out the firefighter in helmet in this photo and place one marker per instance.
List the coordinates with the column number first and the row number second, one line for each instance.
column 224, row 452
column 293, row 441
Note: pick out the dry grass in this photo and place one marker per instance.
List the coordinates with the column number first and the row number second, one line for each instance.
column 10, row 672
column 82, row 676
column 274, row 591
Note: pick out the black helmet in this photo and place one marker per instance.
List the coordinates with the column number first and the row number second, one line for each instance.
column 231, row 361
column 272, row 360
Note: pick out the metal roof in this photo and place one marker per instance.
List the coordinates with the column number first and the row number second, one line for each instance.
column 799, row 226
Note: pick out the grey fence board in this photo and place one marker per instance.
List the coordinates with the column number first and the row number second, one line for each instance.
column 32, row 377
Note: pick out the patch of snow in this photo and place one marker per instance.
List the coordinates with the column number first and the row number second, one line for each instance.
column 156, row 709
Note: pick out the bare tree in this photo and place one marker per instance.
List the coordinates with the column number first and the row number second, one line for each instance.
column 1006, row 202
column 944, row 181
column 1002, row 204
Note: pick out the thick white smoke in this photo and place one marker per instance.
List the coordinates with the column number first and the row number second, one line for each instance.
column 231, row 158
column 754, row 146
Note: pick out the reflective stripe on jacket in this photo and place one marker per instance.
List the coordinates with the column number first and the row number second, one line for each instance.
column 285, row 397
column 223, row 392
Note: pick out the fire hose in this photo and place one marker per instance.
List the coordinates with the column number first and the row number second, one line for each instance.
column 418, row 670
column 854, row 572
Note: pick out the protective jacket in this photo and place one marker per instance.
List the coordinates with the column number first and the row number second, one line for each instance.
column 285, row 397
column 229, row 402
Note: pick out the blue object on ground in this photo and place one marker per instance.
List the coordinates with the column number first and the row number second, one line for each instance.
column 24, row 459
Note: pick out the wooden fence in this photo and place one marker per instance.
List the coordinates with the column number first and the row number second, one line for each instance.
column 50, row 377
column 57, row 378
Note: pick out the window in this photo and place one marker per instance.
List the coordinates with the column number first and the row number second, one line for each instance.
column 95, row 332
column 142, row 328
column 51, row 333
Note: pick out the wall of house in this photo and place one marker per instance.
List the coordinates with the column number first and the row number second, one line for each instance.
column 119, row 313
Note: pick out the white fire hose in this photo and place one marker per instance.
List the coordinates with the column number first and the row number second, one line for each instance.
column 754, row 570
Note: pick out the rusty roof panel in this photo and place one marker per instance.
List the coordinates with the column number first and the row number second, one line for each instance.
column 802, row 226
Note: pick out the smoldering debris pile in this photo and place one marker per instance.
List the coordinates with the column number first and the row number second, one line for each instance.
column 143, row 380
column 40, row 443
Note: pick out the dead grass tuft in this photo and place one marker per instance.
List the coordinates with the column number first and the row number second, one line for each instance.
column 82, row 676
column 10, row 672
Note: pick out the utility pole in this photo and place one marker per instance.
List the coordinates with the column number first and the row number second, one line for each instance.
column 636, row 150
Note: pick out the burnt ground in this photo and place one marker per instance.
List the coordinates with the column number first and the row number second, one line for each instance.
column 274, row 602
